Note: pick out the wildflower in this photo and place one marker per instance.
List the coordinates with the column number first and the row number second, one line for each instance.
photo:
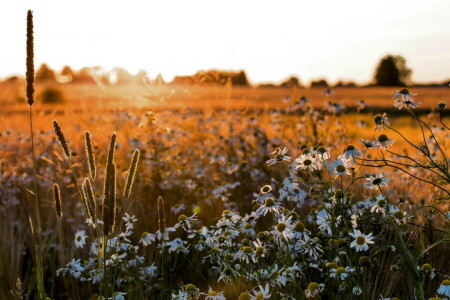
column 361, row 240
column 147, row 238
column 376, row 181
column 324, row 221
column 262, row 293
column 73, row 267
column 406, row 99
column 381, row 121
column 354, row 220
column 350, row 152
column 80, row 238
column 213, row 295
column 361, row 104
column 117, row 296
column 385, row 142
column 129, row 220
column 341, row 272
column 270, row 205
column 306, row 161
column 444, row 288
column 192, row 291
column 244, row 296
column 313, row 289
column 379, row 204
column 327, row 92
column 279, row 156
column 149, row 271
column 370, row 144
column 291, row 191
column 260, row 249
column 164, row 234
column 282, row 231
column 266, row 189
column 323, row 153
column 182, row 295
column 340, row 167
column 427, row 269
column 357, row 290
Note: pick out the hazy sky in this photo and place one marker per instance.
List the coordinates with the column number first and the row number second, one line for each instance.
column 269, row 39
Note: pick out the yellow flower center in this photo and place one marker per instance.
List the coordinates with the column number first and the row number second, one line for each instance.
column 360, row 240
column 313, row 286
column 281, row 227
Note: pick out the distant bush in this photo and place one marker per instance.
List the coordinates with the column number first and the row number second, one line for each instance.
column 52, row 95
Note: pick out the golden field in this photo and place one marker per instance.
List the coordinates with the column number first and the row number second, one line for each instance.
column 204, row 150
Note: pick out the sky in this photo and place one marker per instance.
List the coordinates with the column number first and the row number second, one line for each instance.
column 270, row 40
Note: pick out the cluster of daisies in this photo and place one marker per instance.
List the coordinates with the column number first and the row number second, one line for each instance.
column 307, row 236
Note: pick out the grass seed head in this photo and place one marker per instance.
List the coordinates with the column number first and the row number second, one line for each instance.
column 57, row 200
column 61, row 138
column 90, row 154
column 30, row 59
column 131, row 174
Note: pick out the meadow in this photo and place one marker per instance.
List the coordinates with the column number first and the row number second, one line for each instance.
column 219, row 208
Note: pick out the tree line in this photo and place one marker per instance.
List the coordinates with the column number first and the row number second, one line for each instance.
column 391, row 70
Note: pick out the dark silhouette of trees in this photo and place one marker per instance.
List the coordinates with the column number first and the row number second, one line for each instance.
column 45, row 74
column 66, row 75
column 321, row 83
column 392, row 71
column 292, row 81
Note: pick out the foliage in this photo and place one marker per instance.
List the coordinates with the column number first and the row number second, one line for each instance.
column 392, row 71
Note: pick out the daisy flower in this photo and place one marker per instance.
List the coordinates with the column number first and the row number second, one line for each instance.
column 323, row 153
column 406, row 99
column 350, row 152
column 270, row 205
column 129, row 221
column 279, row 156
column 266, row 189
column 341, row 272
column 260, row 249
column 80, row 238
column 147, row 238
column 262, row 293
column 428, row 269
column 306, row 161
column 381, row 121
column 379, row 204
column 370, row 144
column 117, row 296
column 373, row 182
column 404, row 94
column 361, row 240
column 340, row 167
column 213, row 295
column 282, row 231
column 313, row 289
column 444, row 288
column 385, row 142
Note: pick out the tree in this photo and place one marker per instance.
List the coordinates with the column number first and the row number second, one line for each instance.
column 322, row 83
column 66, row 75
column 292, row 81
column 392, row 71
column 45, row 74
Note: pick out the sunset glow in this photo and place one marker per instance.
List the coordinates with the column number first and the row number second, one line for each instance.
column 311, row 39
